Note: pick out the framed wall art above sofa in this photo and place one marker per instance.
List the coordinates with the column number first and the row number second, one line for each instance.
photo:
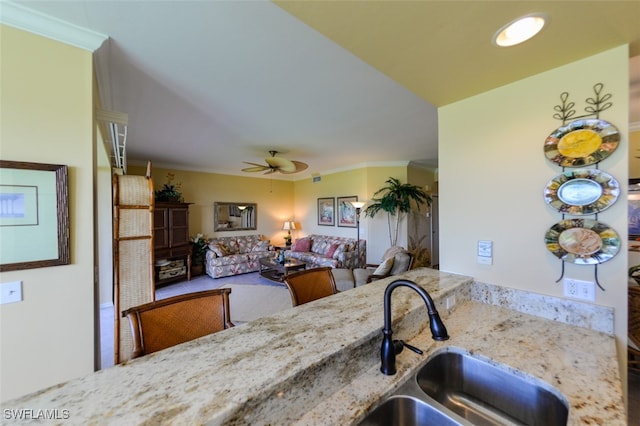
column 326, row 211
column 346, row 212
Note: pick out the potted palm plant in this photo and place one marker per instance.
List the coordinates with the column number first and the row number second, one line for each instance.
column 198, row 250
column 396, row 199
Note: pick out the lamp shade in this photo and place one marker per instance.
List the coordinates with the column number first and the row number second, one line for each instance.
column 358, row 204
column 289, row 225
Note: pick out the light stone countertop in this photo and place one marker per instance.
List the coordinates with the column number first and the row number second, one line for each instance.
column 318, row 363
column 578, row 362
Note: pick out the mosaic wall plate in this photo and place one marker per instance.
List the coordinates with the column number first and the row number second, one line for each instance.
column 582, row 241
column 582, row 192
column 581, row 143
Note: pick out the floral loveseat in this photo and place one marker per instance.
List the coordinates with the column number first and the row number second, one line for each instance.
column 323, row 250
column 227, row 256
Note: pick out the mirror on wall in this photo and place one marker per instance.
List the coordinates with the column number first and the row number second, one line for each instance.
column 234, row 216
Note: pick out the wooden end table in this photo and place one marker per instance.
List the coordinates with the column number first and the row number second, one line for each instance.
column 271, row 269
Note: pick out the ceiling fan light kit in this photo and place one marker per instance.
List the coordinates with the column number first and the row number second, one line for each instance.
column 276, row 164
column 281, row 164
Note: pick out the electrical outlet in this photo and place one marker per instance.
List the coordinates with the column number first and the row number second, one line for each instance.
column 577, row 289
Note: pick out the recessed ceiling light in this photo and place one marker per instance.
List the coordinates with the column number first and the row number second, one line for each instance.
column 519, row 30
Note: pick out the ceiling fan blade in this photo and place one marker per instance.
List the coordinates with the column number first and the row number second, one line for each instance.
column 257, row 168
column 300, row 166
column 276, row 164
column 282, row 164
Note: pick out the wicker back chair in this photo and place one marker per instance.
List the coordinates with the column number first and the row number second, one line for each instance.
column 169, row 322
column 633, row 345
column 310, row 284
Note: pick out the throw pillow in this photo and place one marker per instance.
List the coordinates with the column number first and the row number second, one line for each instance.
column 392, row 251
column 384, row 267
column 401, row 263
column 233, row 247
column 302, row 245
column 341, row 249
column 332, row 249
column 222, row 250
column 214, row 248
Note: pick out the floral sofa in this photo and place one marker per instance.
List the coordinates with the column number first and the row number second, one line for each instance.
column 227, row 256
column 323, row 250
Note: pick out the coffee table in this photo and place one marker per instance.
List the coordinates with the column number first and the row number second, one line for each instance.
column 271, row 269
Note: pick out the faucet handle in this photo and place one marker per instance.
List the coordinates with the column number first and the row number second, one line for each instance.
column 410, row 347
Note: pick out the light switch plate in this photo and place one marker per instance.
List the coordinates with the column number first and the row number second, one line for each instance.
column 485, row 248
column 11, row 292
column 485, row 252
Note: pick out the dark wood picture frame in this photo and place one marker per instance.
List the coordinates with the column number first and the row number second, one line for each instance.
column 633, row 207
column 34, row 218
column 346, row 212
column 326, row 211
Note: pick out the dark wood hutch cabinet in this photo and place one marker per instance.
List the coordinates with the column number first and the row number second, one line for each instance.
column 171, row 246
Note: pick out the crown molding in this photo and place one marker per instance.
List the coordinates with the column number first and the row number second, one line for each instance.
column 18, row 16
column 276, row 176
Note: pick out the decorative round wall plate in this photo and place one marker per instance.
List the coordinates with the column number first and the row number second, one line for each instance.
column 582, row 241
column 582, row 142
column 582, row 192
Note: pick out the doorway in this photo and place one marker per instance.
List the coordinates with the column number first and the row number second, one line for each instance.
column 435, row 233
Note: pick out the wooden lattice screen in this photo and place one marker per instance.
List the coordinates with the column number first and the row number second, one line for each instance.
column 133, row 253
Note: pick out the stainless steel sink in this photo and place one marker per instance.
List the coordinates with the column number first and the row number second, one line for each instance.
column 407, row 410
column 454, row 387
column 488, row 394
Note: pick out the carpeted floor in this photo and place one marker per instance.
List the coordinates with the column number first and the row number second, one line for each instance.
column 205, row 282
column 252, row 297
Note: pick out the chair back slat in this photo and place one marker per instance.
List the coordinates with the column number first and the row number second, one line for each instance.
column 310, row 284
column 169, row 322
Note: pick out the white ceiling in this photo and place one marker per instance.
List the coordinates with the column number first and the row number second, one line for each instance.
column 210, row 84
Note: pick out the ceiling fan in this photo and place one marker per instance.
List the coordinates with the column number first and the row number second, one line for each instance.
column 276, row 164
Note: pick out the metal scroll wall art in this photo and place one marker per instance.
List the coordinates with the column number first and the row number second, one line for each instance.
column 583, row 191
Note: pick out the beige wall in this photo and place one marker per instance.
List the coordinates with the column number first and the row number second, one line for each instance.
column 47, row 103
column 363, row 182
column 104, row 223
column 492, row 172
column 280, row 200
column 332, row 185
column 634, row 154
column 274, row 198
